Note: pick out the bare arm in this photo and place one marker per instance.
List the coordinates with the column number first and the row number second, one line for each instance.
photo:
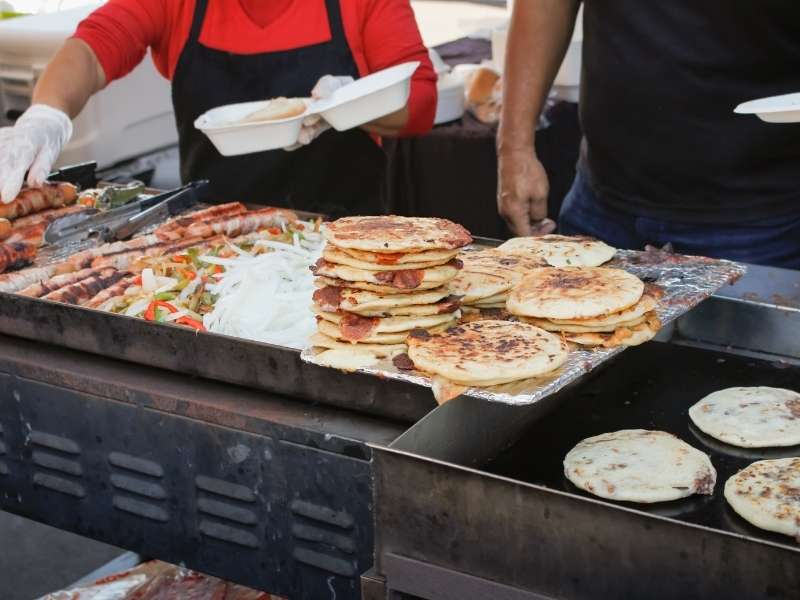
column 70, row 79
column 538, row 37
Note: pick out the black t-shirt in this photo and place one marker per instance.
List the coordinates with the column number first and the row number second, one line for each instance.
column 660, row 81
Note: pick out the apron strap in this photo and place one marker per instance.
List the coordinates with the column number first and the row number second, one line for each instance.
column 336, row 24
column 200, row 7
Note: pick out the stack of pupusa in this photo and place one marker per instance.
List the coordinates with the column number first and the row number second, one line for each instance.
column 380, row 277
column 487, row 276
column 589, row 306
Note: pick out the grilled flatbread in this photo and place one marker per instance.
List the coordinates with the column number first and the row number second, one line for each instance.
column 622, row 336
column 575, row 293
column 494, row 261
column 367, row 303
column 335, row 331
column 386, row 324
column 637, row 465
column 750, row 417
column 398, row 258
column 407, row 279
column 390, row 234
column 647, row 303
column 277, row 108
column 487, row 352
column 550, row 326
column 562, row 250
column 321, row 340
column 334, row 255
column 474, row 287
column 322, row 281
column 766, row 495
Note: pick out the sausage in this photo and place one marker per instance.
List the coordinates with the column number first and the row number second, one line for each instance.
column 241, row 224
column 115, row 291
column 48, row 216
column 16, row 254
column 214, row 212
column 87, row 288
column 34, row 200
column 45, row 286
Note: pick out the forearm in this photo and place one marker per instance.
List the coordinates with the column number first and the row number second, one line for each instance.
column 70, row 79
column 390, row 125
column 538, row 37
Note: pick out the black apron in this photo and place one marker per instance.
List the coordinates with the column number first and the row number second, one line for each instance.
column 338, row 173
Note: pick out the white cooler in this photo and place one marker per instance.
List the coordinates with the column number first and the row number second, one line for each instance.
column 131, row 117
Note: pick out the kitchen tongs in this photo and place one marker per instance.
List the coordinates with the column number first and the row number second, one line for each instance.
column 121, row 223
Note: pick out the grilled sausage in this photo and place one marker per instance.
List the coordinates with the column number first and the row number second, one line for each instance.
column 16, row 254
column 85, row 289
column 34, row 200
column 242, row 224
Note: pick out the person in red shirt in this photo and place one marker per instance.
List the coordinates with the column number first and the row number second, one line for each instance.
column 226, row 51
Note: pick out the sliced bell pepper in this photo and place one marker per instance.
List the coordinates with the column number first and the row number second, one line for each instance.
column 150, row 313
column 189, row 322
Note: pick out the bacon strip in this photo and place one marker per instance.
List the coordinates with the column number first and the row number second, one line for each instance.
column 241, row 224
column 215, row 212
column 32, row 234
column 87, row 288
column 16, row 254
column 33, row 200
column 407, row 279
column 328, row 298
column 44, row 287
column 115, row 291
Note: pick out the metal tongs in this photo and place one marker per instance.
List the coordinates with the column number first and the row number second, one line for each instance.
column 93, row 226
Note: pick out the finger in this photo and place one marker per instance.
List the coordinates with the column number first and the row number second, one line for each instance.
column 516, row 214
column 324, row 87
column 40, row 169
column 13, row 174
column 543, row 227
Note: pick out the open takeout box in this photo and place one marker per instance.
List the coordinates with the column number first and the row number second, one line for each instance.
column 366, row 99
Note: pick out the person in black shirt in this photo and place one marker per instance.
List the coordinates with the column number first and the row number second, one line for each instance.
column 664, row 158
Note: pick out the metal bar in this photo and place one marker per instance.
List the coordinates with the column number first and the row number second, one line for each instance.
column 428, row 581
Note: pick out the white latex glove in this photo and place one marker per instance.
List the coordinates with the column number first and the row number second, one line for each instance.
column 314, row 125
column 32, row 145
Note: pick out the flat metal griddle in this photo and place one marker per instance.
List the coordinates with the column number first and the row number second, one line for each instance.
column 652, row 387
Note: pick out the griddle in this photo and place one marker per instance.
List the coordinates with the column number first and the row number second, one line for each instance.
column 652, row 387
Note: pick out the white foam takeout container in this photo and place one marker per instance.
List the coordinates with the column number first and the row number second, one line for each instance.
column 366, row 99
column 775, row 109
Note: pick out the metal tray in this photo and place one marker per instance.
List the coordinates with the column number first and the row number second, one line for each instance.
column 686, row 281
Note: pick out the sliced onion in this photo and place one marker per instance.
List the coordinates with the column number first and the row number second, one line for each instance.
column 138, row 307
column 149, row 281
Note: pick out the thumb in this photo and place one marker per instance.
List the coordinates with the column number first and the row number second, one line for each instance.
column 518, row 218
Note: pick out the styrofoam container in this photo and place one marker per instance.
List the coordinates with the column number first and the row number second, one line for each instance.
column 231, row 138
column 450, row 105
column 369, row 98
column 775, row 109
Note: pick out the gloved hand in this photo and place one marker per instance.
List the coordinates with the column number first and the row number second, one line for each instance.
column 32, row 145
column 314, row 125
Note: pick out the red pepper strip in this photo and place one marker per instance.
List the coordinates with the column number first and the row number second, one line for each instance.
column 189, row 322
column 187, row 274
column 150, row 313
column 181, row 258
column 218, row 269
column 137, row 280
column 274, row 230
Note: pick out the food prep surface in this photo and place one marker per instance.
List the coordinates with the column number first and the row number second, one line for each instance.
column 652, row 387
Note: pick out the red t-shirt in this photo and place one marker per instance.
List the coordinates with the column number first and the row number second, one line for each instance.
column 380, row 33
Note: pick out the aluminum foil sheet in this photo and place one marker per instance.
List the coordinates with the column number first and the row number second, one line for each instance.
column 686, row 281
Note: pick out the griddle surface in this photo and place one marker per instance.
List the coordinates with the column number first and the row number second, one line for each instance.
column 652, row 387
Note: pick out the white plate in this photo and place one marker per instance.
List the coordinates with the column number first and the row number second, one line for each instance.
column 231, row 138
column 776, row 109
column 450, row 105
column 369, row 98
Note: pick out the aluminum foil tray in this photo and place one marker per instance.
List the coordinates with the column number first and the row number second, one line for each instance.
column 686, row 281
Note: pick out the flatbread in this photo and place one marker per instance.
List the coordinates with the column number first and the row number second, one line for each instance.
column 562, row 250
column 395, row 234
column 496, row 299
column 333, row 330
column 398, row 258
column 335, row 255
column 321, row 282
column 320, row 340
column 374, row 304
column 487, row 352
column 493, row 261
column 476, row 286
column 575, row 293
column 767, row 495
column 647, row 303
column 550, row 326
column 395, row 324
column 406, row 279
column 750, row 417
column 278, row 108
column 637, row 465
column 622, row 336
